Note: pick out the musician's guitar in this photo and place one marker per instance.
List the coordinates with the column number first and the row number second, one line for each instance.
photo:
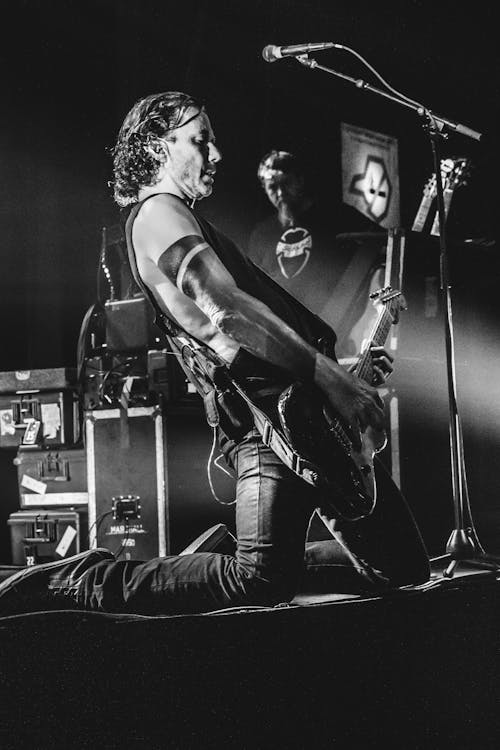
column 316, row 433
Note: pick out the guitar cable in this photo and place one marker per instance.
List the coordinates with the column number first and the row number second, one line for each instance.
column 211, row 461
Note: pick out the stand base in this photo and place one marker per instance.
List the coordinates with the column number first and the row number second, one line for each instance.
column 483, row 561
column 464, row 546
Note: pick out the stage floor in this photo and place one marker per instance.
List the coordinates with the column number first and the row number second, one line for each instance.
column 465, row 573
column 415, row 668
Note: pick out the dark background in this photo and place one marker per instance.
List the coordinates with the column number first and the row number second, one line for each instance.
column 71, row 70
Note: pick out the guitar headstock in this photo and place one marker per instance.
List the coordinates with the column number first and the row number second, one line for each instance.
column 454, row 173
column 392, row 299
column 430, row 187
column 457, row 173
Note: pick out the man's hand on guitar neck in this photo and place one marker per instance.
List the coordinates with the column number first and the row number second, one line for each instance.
column 358, row 404
column 381, row 365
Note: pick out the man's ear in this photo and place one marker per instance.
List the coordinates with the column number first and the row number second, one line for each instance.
column 158, row 149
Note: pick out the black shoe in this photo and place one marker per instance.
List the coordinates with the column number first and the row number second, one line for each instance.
column 217, row 538
column 48, row 586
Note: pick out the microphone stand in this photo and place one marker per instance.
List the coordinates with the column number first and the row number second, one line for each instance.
column 463, row 544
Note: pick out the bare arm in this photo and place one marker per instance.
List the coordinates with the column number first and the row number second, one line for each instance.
column 237, row 314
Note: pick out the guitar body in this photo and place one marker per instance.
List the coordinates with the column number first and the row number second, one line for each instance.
column 316, row 434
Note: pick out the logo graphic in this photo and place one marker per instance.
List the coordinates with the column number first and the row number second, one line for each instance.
column 293, row 251
column 374, row 186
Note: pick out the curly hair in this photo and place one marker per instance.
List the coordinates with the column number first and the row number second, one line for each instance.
column 137, row 155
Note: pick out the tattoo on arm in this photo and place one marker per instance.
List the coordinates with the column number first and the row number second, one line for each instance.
column 236, row 314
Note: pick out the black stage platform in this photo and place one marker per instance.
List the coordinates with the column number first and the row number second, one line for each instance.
column 416, row 668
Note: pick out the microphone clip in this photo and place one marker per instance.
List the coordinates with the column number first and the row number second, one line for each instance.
column 305, row 60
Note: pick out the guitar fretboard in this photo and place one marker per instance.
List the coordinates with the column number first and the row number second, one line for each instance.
column 364, row 367
column 423, row 211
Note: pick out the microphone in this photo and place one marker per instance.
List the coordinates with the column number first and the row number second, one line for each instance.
column 271, row 52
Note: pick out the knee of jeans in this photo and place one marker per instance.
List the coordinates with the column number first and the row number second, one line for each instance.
column 268, row 589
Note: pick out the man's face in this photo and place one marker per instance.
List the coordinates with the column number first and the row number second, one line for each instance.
column 192, row 156
column 283, row 188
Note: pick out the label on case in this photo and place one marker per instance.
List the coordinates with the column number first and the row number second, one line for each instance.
column 65, row 541
column 64, row 499
column 7, row 426
column 51, row 418
column 31, row 432
column 33, row 484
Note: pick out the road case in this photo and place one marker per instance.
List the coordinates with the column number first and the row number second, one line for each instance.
column 48, row 415
column 52, row 477
column 39, row 536
column 126, row 482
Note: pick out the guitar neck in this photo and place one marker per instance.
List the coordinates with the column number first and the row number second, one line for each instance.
column 422, row 213
column 364, row 367
column 453, row 174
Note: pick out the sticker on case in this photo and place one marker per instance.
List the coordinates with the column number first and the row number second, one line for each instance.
column 65, row 541
column 33, row 484
column 31, row 432
column 51, row 418
column 7, row 426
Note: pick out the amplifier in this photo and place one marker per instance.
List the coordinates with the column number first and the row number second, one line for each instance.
column 128, row 324
column 44, row 536
column 52, row 477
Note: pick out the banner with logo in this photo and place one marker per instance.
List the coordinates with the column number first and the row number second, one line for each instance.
column 370, row 174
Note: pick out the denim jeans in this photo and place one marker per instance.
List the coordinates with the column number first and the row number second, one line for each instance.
column 273, row 512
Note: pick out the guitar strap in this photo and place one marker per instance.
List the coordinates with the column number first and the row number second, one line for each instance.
column 212, row 377
column 273, row 438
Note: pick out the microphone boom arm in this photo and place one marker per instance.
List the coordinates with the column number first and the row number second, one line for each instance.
column 441, row 122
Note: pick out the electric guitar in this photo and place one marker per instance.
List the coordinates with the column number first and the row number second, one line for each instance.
column 316, row 433
column 454, row 173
